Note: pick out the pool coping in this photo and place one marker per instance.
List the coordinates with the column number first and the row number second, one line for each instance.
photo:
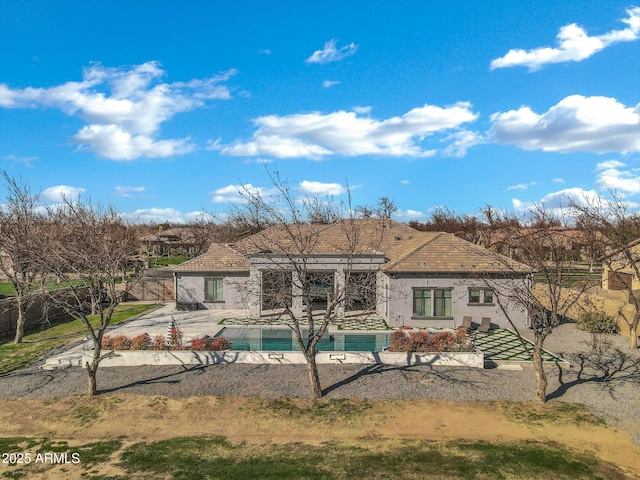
column 127, row 358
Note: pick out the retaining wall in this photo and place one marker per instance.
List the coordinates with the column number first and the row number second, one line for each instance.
column 182, row 357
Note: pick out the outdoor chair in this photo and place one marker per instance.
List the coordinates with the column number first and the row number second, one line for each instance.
column 485, row 325
column 466, row 323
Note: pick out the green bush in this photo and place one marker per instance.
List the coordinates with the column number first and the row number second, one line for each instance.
column 598, row 322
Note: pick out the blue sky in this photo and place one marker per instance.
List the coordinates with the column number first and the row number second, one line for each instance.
column 163, row 109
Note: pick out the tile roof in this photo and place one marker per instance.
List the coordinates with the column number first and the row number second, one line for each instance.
column 219, row 258
column 406, row 249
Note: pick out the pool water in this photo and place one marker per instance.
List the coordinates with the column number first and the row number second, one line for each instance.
column 280, row 339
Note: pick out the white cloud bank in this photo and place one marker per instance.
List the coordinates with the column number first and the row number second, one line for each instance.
column 128, row 191
column 574, row 45
column 558, row 203
column 612, row 177
column 330, row 53
column 576, row 123
column 160, row 215
column 316, row 135
column 321, row 189
column 60, row 192
column 239, row 193
column 123, row 108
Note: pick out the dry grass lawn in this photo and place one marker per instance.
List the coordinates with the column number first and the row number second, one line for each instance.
column 255, row 421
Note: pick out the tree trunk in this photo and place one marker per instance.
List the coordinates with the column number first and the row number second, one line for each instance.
column 20, row 323
column 314, row 378
column 538, row 366
column 633, row 337
column 92, row 371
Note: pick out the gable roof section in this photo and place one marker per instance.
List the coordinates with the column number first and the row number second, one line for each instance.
column 445, row 253
column 219, row 258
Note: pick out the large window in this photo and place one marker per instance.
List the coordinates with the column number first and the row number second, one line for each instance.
column 431, row 302
column 213, row 290
column 480, row 296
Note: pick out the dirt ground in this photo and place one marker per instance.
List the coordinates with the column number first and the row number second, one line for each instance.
column 81, row 420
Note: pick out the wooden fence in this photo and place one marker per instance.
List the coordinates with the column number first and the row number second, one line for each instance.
column 153, row 290
column 39, row 315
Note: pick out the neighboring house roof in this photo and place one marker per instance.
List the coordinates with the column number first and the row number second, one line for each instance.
column 172, row 235
column 406, row 249
column 219, row 258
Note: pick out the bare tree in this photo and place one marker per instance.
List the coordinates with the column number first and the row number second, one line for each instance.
column 611, row 227
column 20, row 233
column 386, row 207
column 550, row 293
column 295, row 281
column 89, row 246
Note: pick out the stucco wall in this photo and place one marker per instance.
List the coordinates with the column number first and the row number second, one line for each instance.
column 190, row 290
column 400, row 302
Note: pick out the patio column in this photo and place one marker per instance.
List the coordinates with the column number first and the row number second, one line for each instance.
column 255, row 293
column 340, row 287
column 296, row 295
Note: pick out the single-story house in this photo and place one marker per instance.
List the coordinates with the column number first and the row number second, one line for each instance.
column 407, row 277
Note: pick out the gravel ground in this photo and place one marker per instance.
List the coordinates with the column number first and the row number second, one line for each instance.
column 606, row 380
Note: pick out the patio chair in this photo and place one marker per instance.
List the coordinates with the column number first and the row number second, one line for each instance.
column 466, row 323
column 485, row 325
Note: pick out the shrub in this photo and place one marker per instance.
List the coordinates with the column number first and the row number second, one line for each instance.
column 207, row 343
column 200, row 344
column 457, row 341
column 598, row 322
column 159, row 343
column 176, row 338
column 141, row 342
column 107, row 342
column 121, row 342
column 220, row 343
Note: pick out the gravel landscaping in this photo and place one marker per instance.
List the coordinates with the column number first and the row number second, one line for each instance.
column 606, row 380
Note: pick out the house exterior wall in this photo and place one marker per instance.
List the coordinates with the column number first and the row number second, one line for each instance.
column 325, row 263
column 190, row 290
column 397, row 308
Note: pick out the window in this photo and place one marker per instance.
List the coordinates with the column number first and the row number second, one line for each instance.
column 213, row 290
column 480, row 296
column 422, row 303
column 428, row 302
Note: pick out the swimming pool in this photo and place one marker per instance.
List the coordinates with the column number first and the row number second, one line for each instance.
column 283, row 340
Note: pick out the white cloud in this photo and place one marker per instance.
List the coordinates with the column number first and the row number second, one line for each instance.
column 612, row 177
column 576, row 123
column 521, row 186
column 123, row 191
column 408, row 214
column 362, row 110
column 329, row 83
column 266, row 51
column 26, row 161
column 314, row 135
column 123, row 108
column 462, row 141
column 558, row 180
column 405, row 182
column 321, row 189
column 574, row 45
column 60, row 192
column 239, row 193
column 559, row 202
column 110, row 141
column 160, row 215
column 332, row 54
